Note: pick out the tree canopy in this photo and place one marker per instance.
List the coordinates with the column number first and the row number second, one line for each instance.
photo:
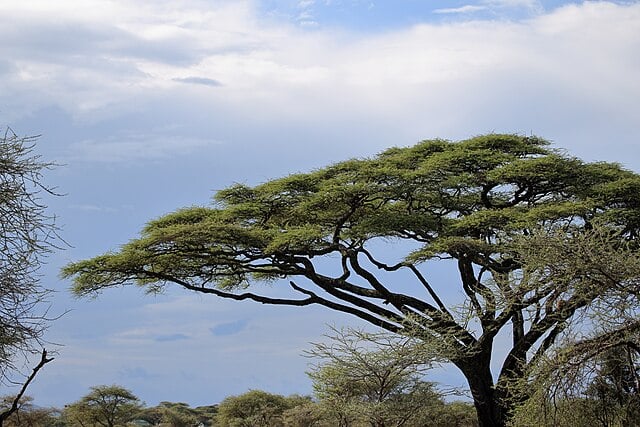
column 377, row 379
column 475, row 203
column 106, row 406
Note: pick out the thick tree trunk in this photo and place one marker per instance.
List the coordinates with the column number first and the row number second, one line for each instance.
column 488, row 406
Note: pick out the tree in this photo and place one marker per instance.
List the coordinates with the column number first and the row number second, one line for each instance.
column 107, row 406
column 600, row 391
column 255, row 408
column 461, row 204
column 12, row 405
column 28, row 415
column 27, row 234
column 377, row 378
column 592, row 377
column 177, row 415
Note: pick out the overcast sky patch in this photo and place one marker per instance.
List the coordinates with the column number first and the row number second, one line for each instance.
column 231, row 328
column 198, row 81
column 171, row 338
column 136, row 148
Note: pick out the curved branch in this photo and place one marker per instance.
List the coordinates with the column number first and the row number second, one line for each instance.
column 14, row 405
column 346, row 309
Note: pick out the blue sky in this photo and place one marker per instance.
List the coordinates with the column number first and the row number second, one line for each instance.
column 154, row 105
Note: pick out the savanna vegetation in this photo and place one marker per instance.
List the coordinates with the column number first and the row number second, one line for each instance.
column 28, row 233
column 543, row 248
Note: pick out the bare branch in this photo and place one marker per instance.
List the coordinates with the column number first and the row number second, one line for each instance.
column 16, row 401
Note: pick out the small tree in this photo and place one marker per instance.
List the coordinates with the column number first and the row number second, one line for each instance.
column 376, row 378
column 27, row 235
column 177, row 415
column 255, row 408
column 29, row 415
column 107, row 406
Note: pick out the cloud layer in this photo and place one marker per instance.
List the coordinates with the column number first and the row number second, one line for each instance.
column 112, row 58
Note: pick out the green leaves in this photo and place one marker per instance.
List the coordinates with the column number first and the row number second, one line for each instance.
column 457, row 199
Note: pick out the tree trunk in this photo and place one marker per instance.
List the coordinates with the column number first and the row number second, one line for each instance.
column 489, row 409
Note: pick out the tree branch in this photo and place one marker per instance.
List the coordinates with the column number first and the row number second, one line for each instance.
column 14, row 406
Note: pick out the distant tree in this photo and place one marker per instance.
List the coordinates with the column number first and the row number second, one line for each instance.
column 309, row 414
column 255, row 408
column 373, row 376
column 107, row 406
column 454, row 414
column 177, row 415
column 170, row 414
column 463, row 202
column 28, row 415
column 206, row 414
column 12, row 405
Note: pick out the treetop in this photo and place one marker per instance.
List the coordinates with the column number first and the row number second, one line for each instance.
column 453, row 198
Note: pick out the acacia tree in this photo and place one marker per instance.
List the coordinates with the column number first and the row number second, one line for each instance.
column 28, row 414
column 27, row 234
column 376, row 377
column 106, row 406
column 465, row 202
column 256, row 408
column 593, row 378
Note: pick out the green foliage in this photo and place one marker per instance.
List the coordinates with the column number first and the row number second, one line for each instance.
column 480, row 202
column 29, row 415
column 107, row 406
column 169, row 414
column 256, row 408
column 377, row 380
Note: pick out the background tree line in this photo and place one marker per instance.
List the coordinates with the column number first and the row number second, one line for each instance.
column 360, row 379
column 365, row 379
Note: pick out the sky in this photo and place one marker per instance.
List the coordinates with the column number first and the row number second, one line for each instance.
column 153, row 105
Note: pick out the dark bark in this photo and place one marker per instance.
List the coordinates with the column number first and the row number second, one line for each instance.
column 486, row 399
column 16, row 402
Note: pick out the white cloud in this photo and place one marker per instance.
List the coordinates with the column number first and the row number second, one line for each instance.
column 94, row 208
column 120, row 57
column 513, row 3
column 494, row 6
column 303, row 4
column 462, row 9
